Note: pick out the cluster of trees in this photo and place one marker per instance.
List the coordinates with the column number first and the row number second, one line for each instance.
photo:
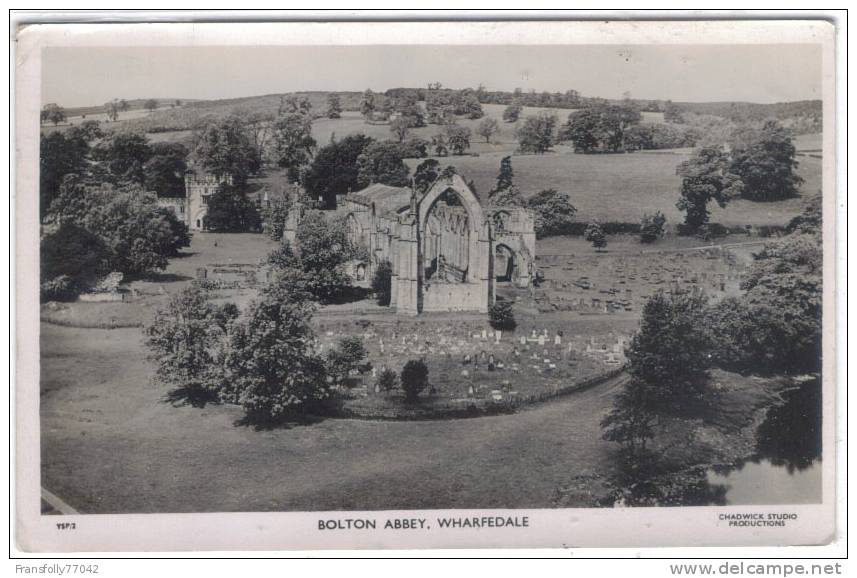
column 601, row 128
column 97, row 229
column 443, row 104
column 262, row 359
column 760, row 167
column 774, row 327
column 98, row 195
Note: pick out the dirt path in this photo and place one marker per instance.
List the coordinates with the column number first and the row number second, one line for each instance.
column 110, row 445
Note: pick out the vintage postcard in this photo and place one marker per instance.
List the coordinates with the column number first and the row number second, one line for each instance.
column 425, row 285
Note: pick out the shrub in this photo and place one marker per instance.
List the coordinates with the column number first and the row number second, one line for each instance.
column 595, row 235
column 388, row 380
column 71, row 258
column 501, row 316
column 382, row 283
column 652, row 227
column 414, row 379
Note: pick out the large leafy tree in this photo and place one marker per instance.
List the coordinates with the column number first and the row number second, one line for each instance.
column 186, row 340
column 316, row 267
column 458, row 138
column 488, row 128
column 764, row 158
column 538, row 133
column 293, row 142
column 554, row 212
column 164, row 172
column 776, row 325
column 271, row 367
column 230, row 211
column 334, row 106
column 124, row 156
column 225, row 148
column 60, row 155
column 705, row 177
column 53, row 113
column 334, row 169
column 381, row 162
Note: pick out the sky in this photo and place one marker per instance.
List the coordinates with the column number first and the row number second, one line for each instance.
column 88, row 76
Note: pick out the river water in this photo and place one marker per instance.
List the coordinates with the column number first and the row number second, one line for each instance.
column 786, row 468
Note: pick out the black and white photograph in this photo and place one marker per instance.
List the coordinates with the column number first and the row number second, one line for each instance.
column 441, row 285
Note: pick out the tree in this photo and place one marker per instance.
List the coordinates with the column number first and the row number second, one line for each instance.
column 346, row 357
column 225, row 148
column 367, row 104
column 165, row 170
column 112, row 110
column 382, row 283
column 186, row 342
column 388, row 380
column 670, row 352
column 334, row 169
column 488, row 128
column 53, row 113
column 673, row 113
column 334, row 106
column 425, row 175
column 59, row 155
column 501, row 316
column 74, row 254
column 274, row 218
column 652, row 227
column 414, row 378
column 293, row 142
column 400, row 127
column 554, row 212
column 381, row 162
column 230, row 211
column 271, row 366
column 178, row 102
column 595, row 235
column 705, row 177
column 764, row 158
column 505, row 193
column 439, row 143
column 124, row 155
column 317, row 269
column 631, row 419
column 151, row 105
column 458, row 138
column 538, row 133
column 582, row 129
column 512, row 112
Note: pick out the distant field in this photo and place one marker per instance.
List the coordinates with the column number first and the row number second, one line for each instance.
column 604, row 187
column 623, row 187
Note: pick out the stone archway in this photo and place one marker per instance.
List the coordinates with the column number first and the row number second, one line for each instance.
column 504, row 263
column 461, row 279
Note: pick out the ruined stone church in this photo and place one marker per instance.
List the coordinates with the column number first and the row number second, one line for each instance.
column 447, row 252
